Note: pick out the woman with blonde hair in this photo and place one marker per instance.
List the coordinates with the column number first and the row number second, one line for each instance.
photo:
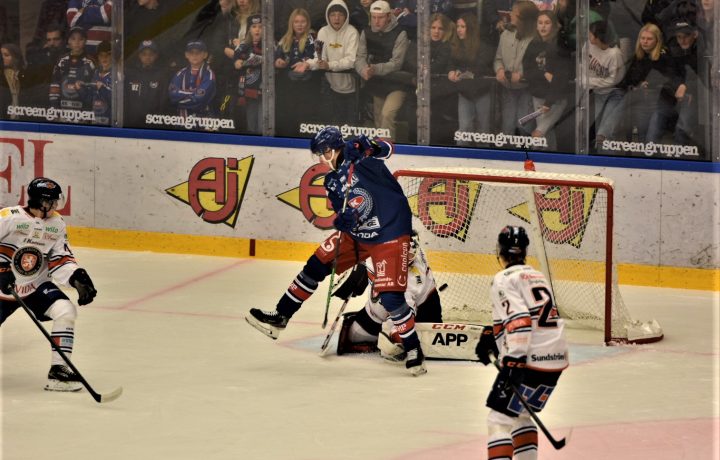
column 651, row 80
column 296, row 86
column 13, row 66
column 443, row 95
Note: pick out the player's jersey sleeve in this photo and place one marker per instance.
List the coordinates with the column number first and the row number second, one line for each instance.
column 61, row 260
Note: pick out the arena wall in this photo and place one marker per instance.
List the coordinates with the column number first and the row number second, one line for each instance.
column 242, row 199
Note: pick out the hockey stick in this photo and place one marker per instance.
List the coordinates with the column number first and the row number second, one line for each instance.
column 326, row 342
column 337, row 249
column 557, row 444
column 101, row 398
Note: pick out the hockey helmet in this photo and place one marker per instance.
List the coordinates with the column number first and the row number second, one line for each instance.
column 44, row 193
column 512, row 242
column 327, row 138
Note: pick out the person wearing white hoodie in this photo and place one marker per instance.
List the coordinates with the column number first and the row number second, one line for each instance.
column 337, row 43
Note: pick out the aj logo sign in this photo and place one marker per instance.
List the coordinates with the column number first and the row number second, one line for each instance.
column 215, row 188
column 310, row 197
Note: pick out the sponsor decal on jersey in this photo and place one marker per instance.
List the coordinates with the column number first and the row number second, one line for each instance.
column 563, row 212
column 27, row 261
column 445, row 206
column 31, row 164
column 215, row 188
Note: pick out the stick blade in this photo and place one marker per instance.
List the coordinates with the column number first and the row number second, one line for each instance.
column 112, row 396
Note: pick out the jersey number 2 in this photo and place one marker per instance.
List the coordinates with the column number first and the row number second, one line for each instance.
column 548, row 312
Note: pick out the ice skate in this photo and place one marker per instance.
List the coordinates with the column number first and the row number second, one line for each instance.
column 415, row 362
column 62, row 378
column 270, row 323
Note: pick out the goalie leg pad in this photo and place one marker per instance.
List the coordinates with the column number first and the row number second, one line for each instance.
column 449, row 340
column 345, row 342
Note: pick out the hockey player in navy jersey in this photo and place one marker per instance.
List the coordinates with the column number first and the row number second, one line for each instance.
column 34, row 255
column 373, row 221
column 530, row 337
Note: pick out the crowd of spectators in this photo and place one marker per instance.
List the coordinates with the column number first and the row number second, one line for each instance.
column 495, row 66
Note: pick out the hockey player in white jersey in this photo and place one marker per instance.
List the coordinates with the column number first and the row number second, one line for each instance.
column 34, row 251
column 530, row 338
column 368, row 330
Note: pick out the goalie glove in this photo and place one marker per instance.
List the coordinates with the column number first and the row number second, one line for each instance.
column 7, row 279
column 486, row 345
column 81, row 281
column 355, row 284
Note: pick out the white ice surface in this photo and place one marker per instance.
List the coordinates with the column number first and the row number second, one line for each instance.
column 200, row 383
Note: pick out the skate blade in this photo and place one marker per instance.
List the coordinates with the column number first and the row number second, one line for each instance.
column 57, row 385
column 270, row 331
column 417, row 371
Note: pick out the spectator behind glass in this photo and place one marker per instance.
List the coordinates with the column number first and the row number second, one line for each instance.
column 606, row 71
column 248, row 62
column 12, row 79
column 515, row 99
column 193, row 87
column 652, row 80
column 95, row 16
column 146, row 84
column 70, row 88
column 706, row 21
column 406, row 13
column 381, row 53
column 314, row 8
column 40, row 64
column 360, row 13
column 547, row 71
column 443, row 94
column 102, row 85
column 52, row 14
column 153, row 20
column 338, row 51
column 296, row 88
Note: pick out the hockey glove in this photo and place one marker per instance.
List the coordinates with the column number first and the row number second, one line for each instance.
column 355, row 284
column 354, row 151
column 486, row 345
column 7, row 279
column 81, row 281
column 511, row 373
column 346, row 221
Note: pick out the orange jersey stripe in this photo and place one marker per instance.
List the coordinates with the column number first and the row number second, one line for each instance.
column 61, row 261
column 517, row 323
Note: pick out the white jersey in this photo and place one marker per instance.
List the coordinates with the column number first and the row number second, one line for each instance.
column 37, row 249
column 526, row 320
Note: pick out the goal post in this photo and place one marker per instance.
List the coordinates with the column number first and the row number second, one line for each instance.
column 458, row 213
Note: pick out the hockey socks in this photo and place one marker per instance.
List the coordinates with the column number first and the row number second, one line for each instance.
column 302, row 287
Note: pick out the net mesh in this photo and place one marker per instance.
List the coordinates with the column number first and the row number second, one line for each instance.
column 458, row 214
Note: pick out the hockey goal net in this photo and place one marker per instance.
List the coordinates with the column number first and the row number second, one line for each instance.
column 459, row 212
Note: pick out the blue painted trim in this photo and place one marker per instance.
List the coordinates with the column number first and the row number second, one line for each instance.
column 448, row 152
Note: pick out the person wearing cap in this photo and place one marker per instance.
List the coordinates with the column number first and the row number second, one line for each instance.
column 70, row 88
column 146, row 84
column 248, row 61
column 193, row 87
column 381, row 53
column 337, row 55
column 95, row 16
column 102, row 85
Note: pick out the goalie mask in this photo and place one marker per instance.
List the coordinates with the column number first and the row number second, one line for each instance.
column 45, row 195
column 512, row 243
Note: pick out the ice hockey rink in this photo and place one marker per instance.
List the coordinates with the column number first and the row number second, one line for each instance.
column 200, row 383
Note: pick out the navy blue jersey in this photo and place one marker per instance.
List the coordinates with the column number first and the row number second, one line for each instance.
column 382, row 208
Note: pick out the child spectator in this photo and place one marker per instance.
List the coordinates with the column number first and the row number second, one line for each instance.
column 248, row 61
column 471, row 63
column 547, row 71
column 102, row 81
column 606, row 71
column 70, row 87
column 95, row 16
column 193, row 87
column 515, row 98
column 360, row 14
column 146, row 85
column 338, row 51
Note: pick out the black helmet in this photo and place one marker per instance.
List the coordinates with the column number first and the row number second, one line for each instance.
column 513, row 242
column 43, row 189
